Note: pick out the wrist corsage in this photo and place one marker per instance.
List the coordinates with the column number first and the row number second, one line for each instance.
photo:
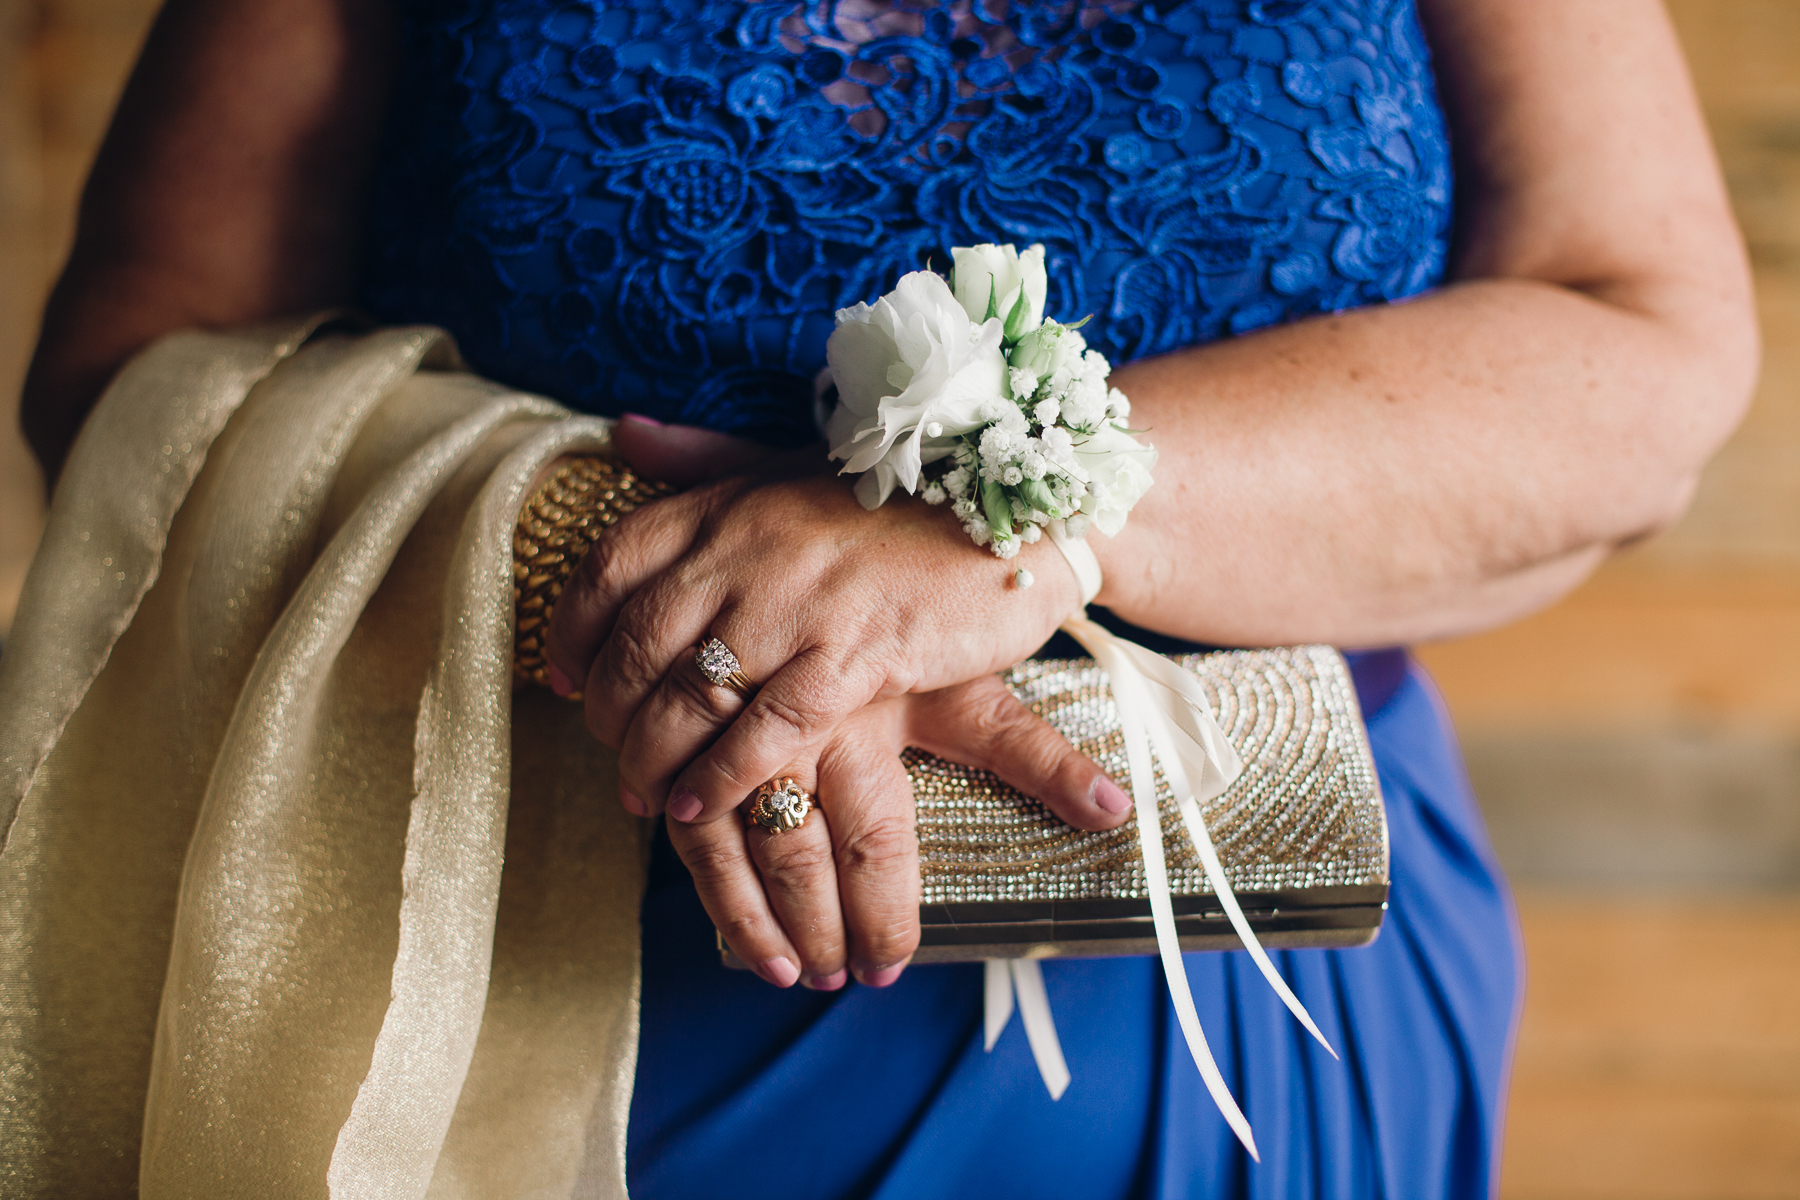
column 961, row 392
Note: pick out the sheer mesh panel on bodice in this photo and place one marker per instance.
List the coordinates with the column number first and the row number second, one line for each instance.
column 657, row 205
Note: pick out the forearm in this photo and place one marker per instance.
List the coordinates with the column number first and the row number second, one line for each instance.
column 1427, row 468
column 1415, row 470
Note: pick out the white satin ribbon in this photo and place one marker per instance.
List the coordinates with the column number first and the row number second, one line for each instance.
column 1006, row 975
column 1161, row 708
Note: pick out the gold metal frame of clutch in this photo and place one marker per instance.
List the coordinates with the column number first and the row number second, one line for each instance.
column 1301, row 832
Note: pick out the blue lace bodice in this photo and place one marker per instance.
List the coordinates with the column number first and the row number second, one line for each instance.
column 656, row 206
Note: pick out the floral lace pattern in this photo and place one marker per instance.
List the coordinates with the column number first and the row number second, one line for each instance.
column 656, row 206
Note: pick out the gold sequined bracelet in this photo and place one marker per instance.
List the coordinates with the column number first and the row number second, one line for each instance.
column 581, row 497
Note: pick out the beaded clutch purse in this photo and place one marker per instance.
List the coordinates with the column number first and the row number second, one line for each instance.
column 1301, row 831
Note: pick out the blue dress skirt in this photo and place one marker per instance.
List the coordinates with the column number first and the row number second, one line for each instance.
column 753, row 1092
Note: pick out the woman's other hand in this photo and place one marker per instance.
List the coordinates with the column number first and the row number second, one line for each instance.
column 683, row 455
column 839, row 896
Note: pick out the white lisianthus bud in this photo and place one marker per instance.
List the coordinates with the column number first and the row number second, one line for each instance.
column 1050, row 347
column 998, row 281
column 934, row 429
column 1023, row 579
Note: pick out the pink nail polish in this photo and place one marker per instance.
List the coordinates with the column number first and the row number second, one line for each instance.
column 561, row 684
column 641, row 419
column 880, row 976
column 1111, row 797
column 684, row 806
column 779, row 971
column 828, row 983
column 633, row 805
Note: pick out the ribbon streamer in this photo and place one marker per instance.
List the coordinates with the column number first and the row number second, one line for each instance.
column 1161, row 708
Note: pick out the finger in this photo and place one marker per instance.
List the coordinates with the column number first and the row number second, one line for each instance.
column 800, row 879
column 681, row 454
column 787, row 721
column 981, row 724
column 672, row 727
column 656, row 629
column 876, row 847
column 639, row 548
column 732, row 892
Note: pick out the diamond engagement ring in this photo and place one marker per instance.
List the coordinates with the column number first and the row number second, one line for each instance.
column 721, row 667
column 780, row 805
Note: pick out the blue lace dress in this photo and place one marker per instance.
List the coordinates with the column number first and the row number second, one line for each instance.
column 655, row 206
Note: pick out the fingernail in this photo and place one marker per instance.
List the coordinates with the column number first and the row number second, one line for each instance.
column 561, row 684
column 633, row 805
column 779, row 971
column 684, row 806
column 1111, row 797
column 828, row 983
column 641, row 419
column 880, row 976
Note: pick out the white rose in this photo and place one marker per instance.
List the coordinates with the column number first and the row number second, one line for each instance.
column 1002, row 274
column 912, row 359
column 1118, row 469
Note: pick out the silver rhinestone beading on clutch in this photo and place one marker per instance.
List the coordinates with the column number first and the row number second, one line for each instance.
column 1306, row 812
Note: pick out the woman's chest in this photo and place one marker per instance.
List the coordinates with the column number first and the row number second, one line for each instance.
column 703, row 182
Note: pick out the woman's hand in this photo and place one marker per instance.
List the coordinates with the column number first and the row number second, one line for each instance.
column 840, row 894
column 827, row 606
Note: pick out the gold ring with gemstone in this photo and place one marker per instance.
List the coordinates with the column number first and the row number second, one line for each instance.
column 721, row 667
column 780, row 805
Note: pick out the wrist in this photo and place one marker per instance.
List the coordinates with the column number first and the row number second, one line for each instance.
column 570, row 502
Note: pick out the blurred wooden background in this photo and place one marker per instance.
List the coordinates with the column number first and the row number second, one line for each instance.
column 1637, row 747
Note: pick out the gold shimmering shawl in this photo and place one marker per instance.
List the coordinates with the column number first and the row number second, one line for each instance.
column 296, row 897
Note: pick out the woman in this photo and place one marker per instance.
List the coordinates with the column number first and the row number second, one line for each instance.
column 656, row 208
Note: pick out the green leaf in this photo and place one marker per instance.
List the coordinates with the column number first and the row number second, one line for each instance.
column 1015, row 320
column 997, row 508
column 1035, row 493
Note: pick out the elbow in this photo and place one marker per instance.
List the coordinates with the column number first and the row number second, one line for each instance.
column 1661, row 510
column 1711, row 364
